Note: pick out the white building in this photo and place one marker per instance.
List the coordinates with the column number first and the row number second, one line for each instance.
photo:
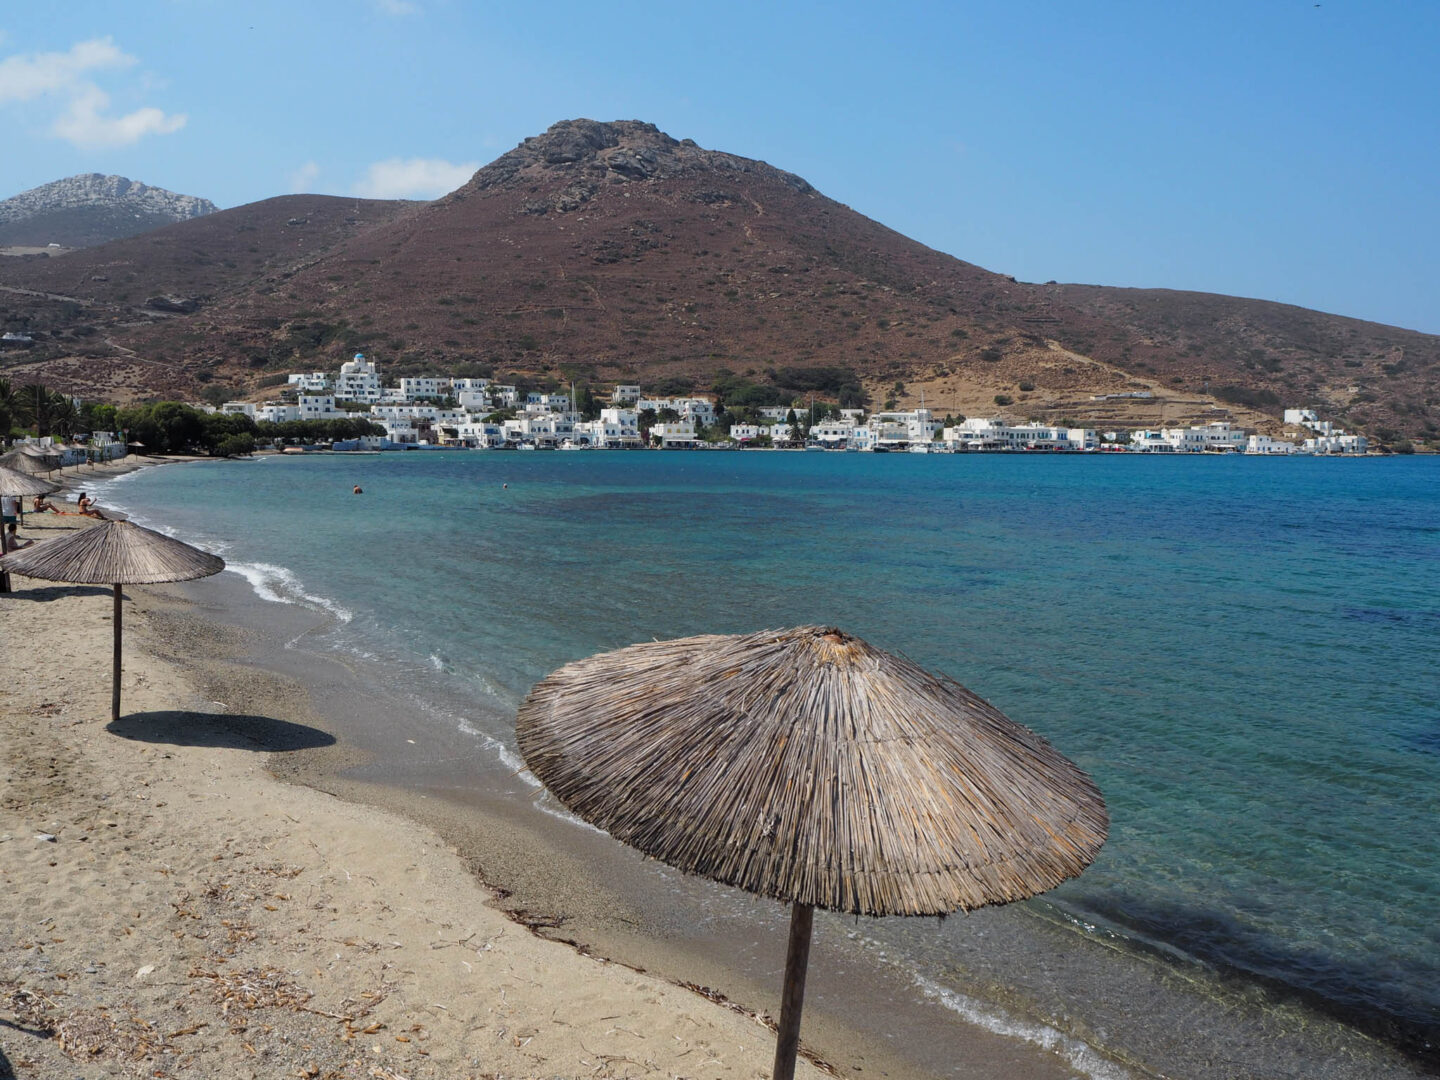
column 310, row 382
column 421, row 388
column 273, row 413
column 775, row 412
column 674, row 434
column 833, row 432
column 1337, row 444
column 743, row 433
column 620, row 429
column 482, row 435
column 895, row 429
column 239, row 408
column 403, row 429
column 317, row 407
column 407, row 411
column 625, row 395
column 1265, row 444
column 977, row 433
column 359, row 381
column 1218, row 436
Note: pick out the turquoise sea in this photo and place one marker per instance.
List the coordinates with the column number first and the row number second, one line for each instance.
column 1241, row 651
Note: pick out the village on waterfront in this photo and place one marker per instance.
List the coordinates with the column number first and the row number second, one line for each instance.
column 478, row 413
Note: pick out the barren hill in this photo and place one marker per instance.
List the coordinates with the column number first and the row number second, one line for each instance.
column 613, row 252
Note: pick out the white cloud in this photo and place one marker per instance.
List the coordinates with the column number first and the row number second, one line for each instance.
column 25, row 77
column 84, row 119
column 303, row 179
column 85, row 124
column 397, row 7
column 413, row 178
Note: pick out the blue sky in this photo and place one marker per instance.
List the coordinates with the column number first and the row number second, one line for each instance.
column 1280, row 149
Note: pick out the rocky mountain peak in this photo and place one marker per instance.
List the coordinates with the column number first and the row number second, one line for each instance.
column 574, row 157
column 92, row 208
column 112, row 192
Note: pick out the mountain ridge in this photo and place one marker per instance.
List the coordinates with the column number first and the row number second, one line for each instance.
column 90, row 208
column 613, row 252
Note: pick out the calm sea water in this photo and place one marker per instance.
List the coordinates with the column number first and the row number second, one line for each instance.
column 1241, row 651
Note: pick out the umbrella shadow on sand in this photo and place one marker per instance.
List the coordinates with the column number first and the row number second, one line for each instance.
column 54, row 592
column 233, row 731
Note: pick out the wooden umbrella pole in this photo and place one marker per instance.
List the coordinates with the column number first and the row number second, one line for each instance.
column 792, row 998
column 115, row 683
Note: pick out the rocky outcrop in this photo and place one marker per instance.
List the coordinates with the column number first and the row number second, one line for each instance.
column 589, row 154
column 81, row 211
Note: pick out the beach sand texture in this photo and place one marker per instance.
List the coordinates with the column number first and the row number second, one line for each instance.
column 169, row 908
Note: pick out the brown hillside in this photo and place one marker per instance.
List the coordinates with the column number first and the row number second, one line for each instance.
column 1369, row 376
column 612, row 252
column 84, row 307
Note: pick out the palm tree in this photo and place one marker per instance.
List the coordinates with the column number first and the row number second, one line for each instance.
column 35, row 408
column 64, row 414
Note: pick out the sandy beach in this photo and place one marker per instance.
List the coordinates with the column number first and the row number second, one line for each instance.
column 171, row 908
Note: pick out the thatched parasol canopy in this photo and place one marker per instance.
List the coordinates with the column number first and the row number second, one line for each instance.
column 31, row 459
column 23, row 463
column 117, row 553
column 114, row 552
column 16, row 482
column 808, row 766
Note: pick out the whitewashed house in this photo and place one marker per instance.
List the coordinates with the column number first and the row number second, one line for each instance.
column 317, row 407
column 833, row 432
column 359, row 381
column 674, row 434
column 743, row 433
column 1337, row 444
column 418, row 389
column 276, row 413
column 1266, row 444
column 620, row 429
column 310, row 382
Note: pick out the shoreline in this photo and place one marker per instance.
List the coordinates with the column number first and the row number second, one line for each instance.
column 208, row 962
column 176, row 908
column 333, row 769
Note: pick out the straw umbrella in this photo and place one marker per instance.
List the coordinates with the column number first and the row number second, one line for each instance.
column 22, row 460
column 116, row 553
column 19, row 484
column 808, row 766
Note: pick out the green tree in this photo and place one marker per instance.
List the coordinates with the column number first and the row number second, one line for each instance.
column 64, row 415
column 9, row 409
column 235, row 446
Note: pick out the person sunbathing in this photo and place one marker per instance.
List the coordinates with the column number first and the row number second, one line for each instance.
column 13, row 542
column 86, row 505
column 39, row 505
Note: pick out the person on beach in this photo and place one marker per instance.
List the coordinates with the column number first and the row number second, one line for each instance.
column 12, row 541
column 87, row 506
column 39, row 505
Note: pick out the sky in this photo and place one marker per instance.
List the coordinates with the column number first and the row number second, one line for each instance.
column 1280, row 149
